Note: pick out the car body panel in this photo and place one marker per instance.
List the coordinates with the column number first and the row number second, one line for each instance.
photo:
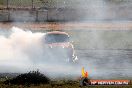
column 59, row 47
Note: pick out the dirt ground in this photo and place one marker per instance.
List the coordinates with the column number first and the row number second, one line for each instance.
column 70, row 25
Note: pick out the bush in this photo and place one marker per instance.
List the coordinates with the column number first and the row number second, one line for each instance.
column 34, row 77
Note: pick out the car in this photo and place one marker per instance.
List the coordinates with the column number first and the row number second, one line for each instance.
column 59, row 47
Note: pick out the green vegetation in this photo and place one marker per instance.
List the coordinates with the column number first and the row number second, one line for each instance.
column 60, row 84
column 1, row 2
column 35, row 79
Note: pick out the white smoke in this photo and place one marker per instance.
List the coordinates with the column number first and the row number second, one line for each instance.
column 22, row 51
column 13, row 48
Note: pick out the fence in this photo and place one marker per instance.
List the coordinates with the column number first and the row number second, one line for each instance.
column 23, row 3
column 36, row 3
column 63, row 10
column 33, row 10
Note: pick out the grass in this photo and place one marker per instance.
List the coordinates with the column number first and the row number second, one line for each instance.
column 57, row 83
column 60, row 84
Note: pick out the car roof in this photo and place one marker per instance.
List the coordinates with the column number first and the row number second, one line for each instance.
column 57, row 32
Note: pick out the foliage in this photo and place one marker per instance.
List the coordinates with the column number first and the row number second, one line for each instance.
column 34, row 77
column 1, row 2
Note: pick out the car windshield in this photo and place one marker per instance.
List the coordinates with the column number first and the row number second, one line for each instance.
column 55, row 38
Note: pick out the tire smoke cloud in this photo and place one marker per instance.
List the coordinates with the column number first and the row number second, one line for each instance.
column 23, row 51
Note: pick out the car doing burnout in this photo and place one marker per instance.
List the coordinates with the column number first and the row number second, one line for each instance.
column 59, row 48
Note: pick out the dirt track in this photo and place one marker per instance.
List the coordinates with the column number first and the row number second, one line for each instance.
column 71, row 25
